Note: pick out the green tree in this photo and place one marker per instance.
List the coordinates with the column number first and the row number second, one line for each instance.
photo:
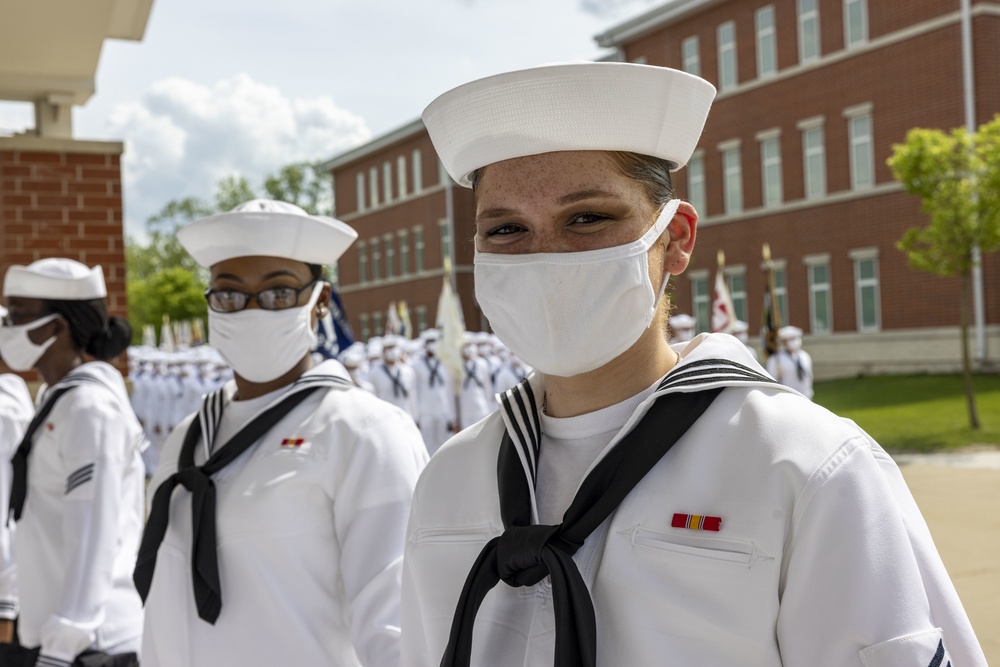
column 174, row 291
column 304, row 185
column 957, row 177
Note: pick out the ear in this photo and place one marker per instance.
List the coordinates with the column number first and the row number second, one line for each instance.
column 681, row 232
column 322, row 304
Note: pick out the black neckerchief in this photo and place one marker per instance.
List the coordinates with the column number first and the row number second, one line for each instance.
column 471, row 375
column 397, row 385
column 434, row 369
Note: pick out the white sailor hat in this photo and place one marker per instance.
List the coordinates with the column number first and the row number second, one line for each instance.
column 682, row 321
column 430, row 334
column 739, row 326
column 789, row 332
column 55, row 278
column 642, row 109
column 264, row 227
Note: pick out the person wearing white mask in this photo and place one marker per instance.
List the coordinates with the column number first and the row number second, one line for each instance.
column 682, row 326
column 354, row 361
column 742, row 332
column 78, row 476
column 394, row 380
column 436, row 393
column 633, row 502
column 475, row 391
column 791, row 365
column 510, row 374
column 16, row 410
column 276, row 525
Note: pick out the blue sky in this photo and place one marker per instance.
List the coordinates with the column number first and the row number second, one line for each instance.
column 225, row 87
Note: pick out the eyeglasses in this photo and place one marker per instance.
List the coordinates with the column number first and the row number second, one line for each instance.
column 22, row 318
column 274, row 298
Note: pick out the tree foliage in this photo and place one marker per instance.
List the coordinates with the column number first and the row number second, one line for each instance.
column 957, row 177
column 162, row 278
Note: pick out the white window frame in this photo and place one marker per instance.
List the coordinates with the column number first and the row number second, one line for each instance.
column 691, row 55
column 387, row 180
column 814, row 184
column 850, row 40
column 866, row 255
column 444, row 234
column 421, row 312
column 737, row 294
column 862, row 145
column 373, row 187
column 808, row 19
column 771, row 174
column 443, row 176
column 418, row 171
column 365, row 328
column 781, row 288
column 418, row 249
column 701, row 304
column 767, row 42
column 728, row 66
column 732, row 176
column 359, row 180
column 390, row 256
column 404, row 252
column 696, row 182
column 378, row 325
column 362, row 247
column 401, row 175
column 376, row 259
column 813, row 262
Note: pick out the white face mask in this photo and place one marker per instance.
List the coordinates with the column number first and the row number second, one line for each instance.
column 390, row 355
column 16, row 348
column 262, row 345
column 569, row 313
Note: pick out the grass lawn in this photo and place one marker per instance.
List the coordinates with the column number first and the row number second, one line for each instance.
column 916, row 413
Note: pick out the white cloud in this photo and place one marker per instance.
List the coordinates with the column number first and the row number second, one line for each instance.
column 181, row 137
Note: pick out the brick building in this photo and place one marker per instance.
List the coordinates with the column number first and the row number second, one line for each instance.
column 812, row 95
column 60, row 196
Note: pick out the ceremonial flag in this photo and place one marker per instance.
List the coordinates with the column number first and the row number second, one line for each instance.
column 404, row 318
column 167, row 335
column 148, row 335
column 723, row 318
column 452, row 326
column 393, row 327
column 334, row 334
column 771, row 319
column 197, row 332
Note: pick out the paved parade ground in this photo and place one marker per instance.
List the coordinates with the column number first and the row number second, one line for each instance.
column 959, row 495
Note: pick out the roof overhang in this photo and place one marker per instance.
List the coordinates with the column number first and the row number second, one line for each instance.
column 50, row 49
column 369, row 147
column 654, row 19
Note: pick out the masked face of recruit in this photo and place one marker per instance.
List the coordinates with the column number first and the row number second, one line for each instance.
column 567, row 244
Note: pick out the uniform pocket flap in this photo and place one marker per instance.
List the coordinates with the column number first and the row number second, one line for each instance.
column 916, row 650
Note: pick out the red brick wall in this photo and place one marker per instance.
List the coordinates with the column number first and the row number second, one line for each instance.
column 63, row 203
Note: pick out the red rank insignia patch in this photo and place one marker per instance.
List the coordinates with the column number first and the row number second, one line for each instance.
column 697, row 522
column 293, row 442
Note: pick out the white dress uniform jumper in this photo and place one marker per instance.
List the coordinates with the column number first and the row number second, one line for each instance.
column 16, row 410
column 436, row 396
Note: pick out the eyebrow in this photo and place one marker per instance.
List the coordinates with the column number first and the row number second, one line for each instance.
column 565, row 200
column 273, row 274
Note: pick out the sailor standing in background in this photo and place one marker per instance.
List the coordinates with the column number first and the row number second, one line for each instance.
column 475, row 393
column 436, row 394
column 300, row 480
column 394, row 380
column 16, row 410
column 792, row 366
column 741, row 331
column 78, row 476
column 682, row 326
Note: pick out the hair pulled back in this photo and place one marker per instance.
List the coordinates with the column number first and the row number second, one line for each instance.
column 95, row 333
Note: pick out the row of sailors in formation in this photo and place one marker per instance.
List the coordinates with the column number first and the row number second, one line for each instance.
column 168, row 386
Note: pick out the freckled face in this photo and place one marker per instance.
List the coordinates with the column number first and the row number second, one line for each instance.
column 558, row 202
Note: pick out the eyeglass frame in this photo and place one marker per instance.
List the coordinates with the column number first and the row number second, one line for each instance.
column 8, row 320
column 254, row 295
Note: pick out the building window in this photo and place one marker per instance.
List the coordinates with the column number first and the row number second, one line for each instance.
column 443, row 176
column 640, row 60
column 404, row 252
column 736, row 281
column 691, row 56
column 727, row 55
column 770, row 169
column 387, row 180
column 732, row 177
column 401, row 175
column 377, row 324
column 814, row 158
column 696, row 181
column 855, row 22
column 866, row 290
column 362, row 262
column 781, row 289
column 767, row 48
column 421, row 319
column 360, row 180
column 365, row 328
column 376, row 260
column 445, row 241
column 701, row 300
column 373, row 186
column 808, row 30
column 820, row 306
column 390, row 256
column 418, row 173
column 418, row 249
column 862, row 151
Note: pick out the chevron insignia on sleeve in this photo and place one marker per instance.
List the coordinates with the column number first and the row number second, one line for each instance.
column 697, row 522
column 79, row 477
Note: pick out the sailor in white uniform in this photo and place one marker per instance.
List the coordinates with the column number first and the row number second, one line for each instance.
column 742, row 332
column 394, row 380
column 436, row 393
column 300, row 481
column 682, row 325
column 791, row 365
column 633, row 502
column 16, row 410
column 78, row 480
column 475, row 391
